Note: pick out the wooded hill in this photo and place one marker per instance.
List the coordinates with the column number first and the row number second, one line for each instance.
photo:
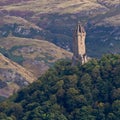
column 87, row 92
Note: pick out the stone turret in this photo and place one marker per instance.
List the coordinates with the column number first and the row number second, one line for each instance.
column 79, row 49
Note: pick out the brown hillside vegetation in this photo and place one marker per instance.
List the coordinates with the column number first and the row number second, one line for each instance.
column 38, row 55
column 33, row 8
column 55, row 20
column 12, row 76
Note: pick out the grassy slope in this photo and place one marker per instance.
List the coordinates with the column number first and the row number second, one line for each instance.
column 46, row 6
column 18, row 20
column 9, row 73
column 54, row 6
column 38, row 54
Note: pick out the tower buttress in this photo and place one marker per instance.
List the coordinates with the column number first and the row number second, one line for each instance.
column 79, row 48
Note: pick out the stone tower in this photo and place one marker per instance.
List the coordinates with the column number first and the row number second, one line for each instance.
column 79, row 49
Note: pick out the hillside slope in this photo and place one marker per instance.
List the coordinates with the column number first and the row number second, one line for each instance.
column 13, row 76
column 61, row 6
column 55, row 21
column 35, row 55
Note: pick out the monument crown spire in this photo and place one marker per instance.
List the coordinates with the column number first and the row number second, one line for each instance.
column 80, row 28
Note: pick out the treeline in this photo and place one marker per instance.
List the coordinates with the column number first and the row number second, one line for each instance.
column 87, row 92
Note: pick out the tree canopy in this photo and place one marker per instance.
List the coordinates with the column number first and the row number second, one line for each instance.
column 82, row 92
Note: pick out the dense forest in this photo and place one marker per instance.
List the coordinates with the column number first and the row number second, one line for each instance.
column 82, row 92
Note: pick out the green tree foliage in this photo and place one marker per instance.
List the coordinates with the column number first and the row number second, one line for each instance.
column 83, row 92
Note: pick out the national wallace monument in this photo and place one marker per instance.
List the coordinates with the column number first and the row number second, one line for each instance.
column 79, row 48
